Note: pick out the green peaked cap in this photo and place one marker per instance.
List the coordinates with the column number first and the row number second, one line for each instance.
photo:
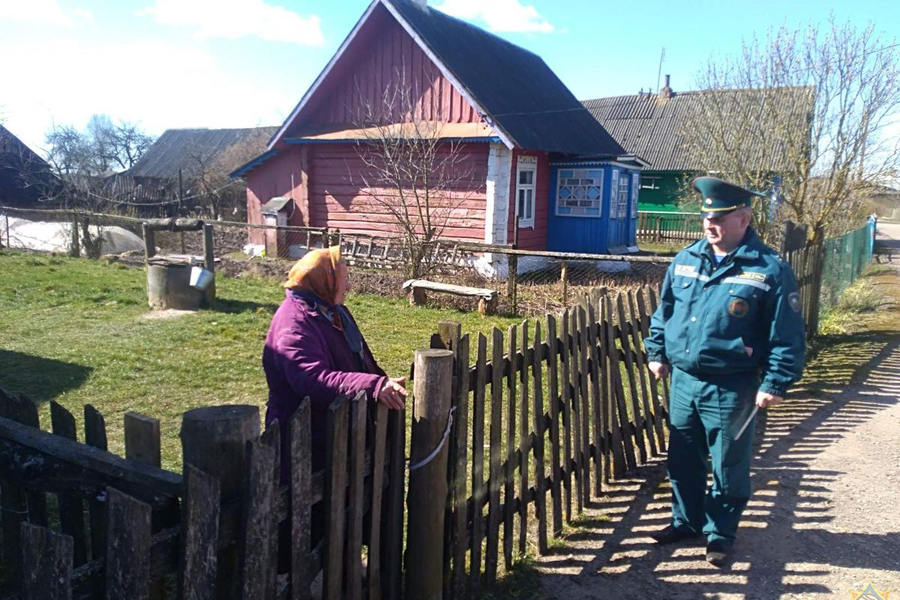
column 720, row 197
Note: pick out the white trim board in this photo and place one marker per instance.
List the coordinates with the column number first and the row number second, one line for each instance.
column 496, row 210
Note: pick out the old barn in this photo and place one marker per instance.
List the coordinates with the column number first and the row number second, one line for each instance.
column 531, row 165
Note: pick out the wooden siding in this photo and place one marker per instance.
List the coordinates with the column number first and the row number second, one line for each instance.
column 589, row 234
column 385, row 57
column 531, row 238
column 339, row 199
column 271, row 180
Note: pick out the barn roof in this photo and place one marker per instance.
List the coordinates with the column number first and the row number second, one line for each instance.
column 514, row 89
column 180, row 148
column 24, row 175
column 651, row 126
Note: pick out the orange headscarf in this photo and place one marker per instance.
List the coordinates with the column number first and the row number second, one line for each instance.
column 316, row 272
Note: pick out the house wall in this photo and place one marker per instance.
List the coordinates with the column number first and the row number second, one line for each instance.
column 279, row 176
column 531, row 238
column 339, row 197
column 384, row 57
column 666, row 197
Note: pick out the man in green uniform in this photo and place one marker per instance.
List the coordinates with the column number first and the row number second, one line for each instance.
column 730, row 332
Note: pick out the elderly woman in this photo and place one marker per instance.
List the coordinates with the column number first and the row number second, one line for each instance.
column 314, row 348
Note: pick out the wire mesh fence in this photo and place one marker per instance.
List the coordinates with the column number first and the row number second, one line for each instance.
column 525, row 282
column 845, row 258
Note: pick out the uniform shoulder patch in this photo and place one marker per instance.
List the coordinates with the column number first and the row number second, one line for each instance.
column 794, row 301
column 738, row 308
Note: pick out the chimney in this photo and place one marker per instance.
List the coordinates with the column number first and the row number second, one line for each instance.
column 666, row 92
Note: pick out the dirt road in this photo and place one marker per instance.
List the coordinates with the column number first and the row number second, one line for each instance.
column 824, row 518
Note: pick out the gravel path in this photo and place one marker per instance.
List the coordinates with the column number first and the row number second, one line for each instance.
column 824, row 518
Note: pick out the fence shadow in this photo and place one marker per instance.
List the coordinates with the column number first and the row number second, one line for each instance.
column 42, row 379
column 790, row 541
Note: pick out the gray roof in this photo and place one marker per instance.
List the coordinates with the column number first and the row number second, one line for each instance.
column 24, row 176
column 520, row 93
column 179, row 148
column 651, row 127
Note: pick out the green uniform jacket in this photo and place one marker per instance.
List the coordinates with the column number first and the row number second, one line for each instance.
column 742, row 316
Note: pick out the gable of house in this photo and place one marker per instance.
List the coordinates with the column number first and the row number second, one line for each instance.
column 25, row 177
column 457, row 73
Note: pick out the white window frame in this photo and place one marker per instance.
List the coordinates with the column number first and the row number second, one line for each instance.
column 621, row 192
column 650, row 183
column 614, row 195
column 525, row 215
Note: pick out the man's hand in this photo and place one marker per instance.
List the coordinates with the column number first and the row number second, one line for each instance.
column 766, row 400
column 659, row 370
column 393, row 393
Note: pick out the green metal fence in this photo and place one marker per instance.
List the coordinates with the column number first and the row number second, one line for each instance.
column 845, row 258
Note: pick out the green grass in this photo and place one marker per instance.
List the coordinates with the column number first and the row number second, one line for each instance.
column 76, row 331
column 861, row 297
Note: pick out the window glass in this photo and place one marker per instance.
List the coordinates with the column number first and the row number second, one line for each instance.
column 580, row 192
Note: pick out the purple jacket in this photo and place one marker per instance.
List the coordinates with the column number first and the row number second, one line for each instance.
column 305, row 355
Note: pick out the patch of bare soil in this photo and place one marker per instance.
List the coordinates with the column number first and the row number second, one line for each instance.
column 823, row 519
column 169, row 313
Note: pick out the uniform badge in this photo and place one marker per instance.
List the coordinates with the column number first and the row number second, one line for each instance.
column 738, row 308
column 794, row 301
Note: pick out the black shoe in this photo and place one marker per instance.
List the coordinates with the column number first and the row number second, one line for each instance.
column 717, row 552
column 672, row 534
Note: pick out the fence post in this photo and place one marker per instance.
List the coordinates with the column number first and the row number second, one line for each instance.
column 209, row 261
column 428, row 475
column 512, row 280
column 564, row 277
column 214, row 440
column 75, row 250
column 149, row 241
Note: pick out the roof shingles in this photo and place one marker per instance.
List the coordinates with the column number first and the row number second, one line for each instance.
column 652, row 127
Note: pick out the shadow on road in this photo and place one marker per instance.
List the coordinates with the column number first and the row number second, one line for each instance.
column 787, row 546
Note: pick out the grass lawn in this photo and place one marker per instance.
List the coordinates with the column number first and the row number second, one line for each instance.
column 77, row 331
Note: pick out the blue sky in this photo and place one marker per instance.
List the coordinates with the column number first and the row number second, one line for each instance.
column 243, row 63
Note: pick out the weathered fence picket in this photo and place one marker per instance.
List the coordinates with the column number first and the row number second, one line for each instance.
column 558, row 408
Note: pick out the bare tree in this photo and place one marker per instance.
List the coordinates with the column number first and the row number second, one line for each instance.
column 210, row 174
column 803, row 115
column 411, row 173
column 80, row 163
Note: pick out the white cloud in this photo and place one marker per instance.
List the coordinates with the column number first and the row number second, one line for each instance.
column 154, row 83
column 499, row 15
column 234, row 19
column 40, row 11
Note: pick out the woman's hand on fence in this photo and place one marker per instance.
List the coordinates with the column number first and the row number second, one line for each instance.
column 659, row 370
column 393, row 394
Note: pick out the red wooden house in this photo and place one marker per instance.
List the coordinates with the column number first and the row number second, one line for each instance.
column 542, row 171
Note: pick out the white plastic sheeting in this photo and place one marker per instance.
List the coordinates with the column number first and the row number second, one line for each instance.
column 57, row 237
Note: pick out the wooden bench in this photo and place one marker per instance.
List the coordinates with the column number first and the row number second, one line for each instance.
column 487, row 299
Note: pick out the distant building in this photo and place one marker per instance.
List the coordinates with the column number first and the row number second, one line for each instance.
column 651, row 126
column 188, row 154
column 26, row 180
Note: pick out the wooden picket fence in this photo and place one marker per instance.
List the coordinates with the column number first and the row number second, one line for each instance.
column 662, row 226
column 541, row 424
column 212, row 532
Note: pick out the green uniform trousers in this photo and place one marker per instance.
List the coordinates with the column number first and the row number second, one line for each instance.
column 705, row 414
